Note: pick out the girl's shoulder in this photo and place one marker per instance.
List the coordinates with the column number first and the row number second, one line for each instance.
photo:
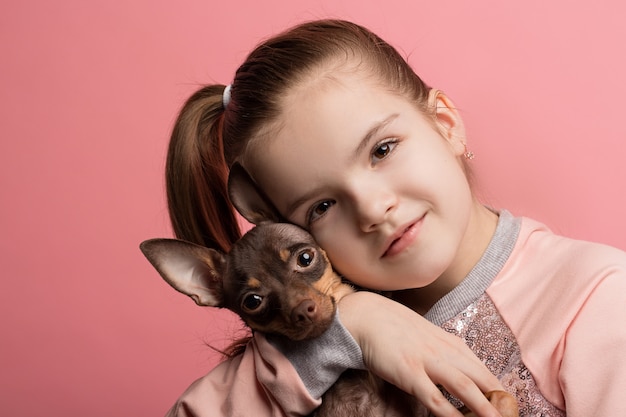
column 548, row 279
column 537, row 246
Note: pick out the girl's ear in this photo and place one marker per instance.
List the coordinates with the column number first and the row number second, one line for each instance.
column 448, row 120
column 248, row 198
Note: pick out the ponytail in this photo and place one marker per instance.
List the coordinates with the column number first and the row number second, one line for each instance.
column 197, row 174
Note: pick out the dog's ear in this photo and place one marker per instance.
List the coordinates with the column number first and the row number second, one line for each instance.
column 248, row 198
column 191, row 269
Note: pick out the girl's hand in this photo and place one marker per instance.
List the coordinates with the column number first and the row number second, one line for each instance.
column 407, row 350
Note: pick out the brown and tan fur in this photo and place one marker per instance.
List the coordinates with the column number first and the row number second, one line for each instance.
column 279, row 281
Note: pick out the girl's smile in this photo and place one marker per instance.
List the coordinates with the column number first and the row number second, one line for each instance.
column 402, row 239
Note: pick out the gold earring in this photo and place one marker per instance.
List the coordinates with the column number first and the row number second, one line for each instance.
column 469, row 155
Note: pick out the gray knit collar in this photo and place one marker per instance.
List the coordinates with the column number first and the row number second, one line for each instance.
column 483, row 273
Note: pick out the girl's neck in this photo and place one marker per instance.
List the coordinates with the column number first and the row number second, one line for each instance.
column 480, row 231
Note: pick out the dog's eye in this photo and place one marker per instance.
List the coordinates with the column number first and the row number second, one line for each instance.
column 252, row 302
column 305, row 258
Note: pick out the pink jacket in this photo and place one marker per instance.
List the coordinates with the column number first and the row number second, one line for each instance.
column 542, row 311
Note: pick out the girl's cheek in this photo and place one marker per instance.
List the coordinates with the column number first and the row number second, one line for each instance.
column 332, row 241
column 327, row 227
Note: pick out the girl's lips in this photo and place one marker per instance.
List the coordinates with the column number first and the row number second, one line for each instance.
column 403, row 238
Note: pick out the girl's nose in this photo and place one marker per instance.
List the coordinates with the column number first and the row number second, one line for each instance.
column 373, row 205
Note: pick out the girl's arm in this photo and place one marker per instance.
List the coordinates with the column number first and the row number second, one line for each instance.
column 277, row 378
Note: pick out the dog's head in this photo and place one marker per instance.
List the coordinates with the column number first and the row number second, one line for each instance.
column 275, row 278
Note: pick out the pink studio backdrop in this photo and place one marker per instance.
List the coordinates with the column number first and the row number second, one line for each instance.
column 89, row 91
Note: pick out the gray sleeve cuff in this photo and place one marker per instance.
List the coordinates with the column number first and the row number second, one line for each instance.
column 321, row 361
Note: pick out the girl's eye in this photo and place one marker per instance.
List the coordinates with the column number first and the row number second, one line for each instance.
column 382, row 150
column 319, row 210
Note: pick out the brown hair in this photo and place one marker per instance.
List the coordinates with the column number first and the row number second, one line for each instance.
column 207, row 137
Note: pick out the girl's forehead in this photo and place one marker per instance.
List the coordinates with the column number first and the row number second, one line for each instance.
column 306, row 103
column 294, row 96
column 330, row 106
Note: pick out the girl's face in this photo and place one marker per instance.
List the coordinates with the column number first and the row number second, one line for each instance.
column 379, row 184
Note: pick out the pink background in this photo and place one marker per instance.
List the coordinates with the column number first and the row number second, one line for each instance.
column 89, row 91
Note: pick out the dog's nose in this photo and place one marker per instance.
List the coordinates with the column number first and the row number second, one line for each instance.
column 305, row 312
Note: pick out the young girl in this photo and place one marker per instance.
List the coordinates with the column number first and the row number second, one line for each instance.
column 347, row 141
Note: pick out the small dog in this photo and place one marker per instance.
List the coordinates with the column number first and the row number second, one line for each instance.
column 279, row 281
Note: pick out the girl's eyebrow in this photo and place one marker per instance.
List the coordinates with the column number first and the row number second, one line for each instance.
column 301, row 200
column 361, row 147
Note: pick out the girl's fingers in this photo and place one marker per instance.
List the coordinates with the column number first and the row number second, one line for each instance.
column 464, row 388
column 432, row 398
